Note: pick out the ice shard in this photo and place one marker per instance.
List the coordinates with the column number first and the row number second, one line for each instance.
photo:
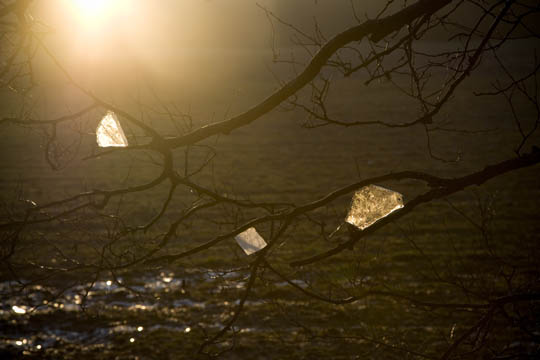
column 372, row 203
column 109, row 133
column 250, row 241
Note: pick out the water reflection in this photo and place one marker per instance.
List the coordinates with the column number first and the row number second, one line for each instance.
column 18, row 309
column 125, row 305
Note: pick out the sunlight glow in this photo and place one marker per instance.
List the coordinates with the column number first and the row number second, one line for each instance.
column 92, row 7
column 95, row 15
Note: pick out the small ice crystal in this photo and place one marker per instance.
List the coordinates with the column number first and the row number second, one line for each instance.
column 109, row 133
column 372, row 203
column 250, row 241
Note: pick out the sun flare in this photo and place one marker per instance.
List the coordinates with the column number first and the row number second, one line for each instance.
column 92, row 8
column 96, row 13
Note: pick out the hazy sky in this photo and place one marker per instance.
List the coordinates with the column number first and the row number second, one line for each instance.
column 169, row 35
column 197, row 43
column 192, row 23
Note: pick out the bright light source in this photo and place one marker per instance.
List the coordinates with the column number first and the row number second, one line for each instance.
column 140, row 328
column 99, row 15
column 132, row 340
column 91, row 7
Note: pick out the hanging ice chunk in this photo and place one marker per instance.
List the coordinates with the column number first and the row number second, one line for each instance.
column 109, row 132
column 372, row 203
column 250, row 241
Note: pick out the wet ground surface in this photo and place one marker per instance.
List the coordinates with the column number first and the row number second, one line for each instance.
column 37, row 318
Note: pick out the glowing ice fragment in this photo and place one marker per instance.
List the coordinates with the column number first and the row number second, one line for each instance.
column 372, row 203
column 109, row 133
column 18, row 309
column 250, row 241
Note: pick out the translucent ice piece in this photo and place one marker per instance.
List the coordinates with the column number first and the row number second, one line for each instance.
column 109, row 132
column 250, row 241
column 372, row 203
